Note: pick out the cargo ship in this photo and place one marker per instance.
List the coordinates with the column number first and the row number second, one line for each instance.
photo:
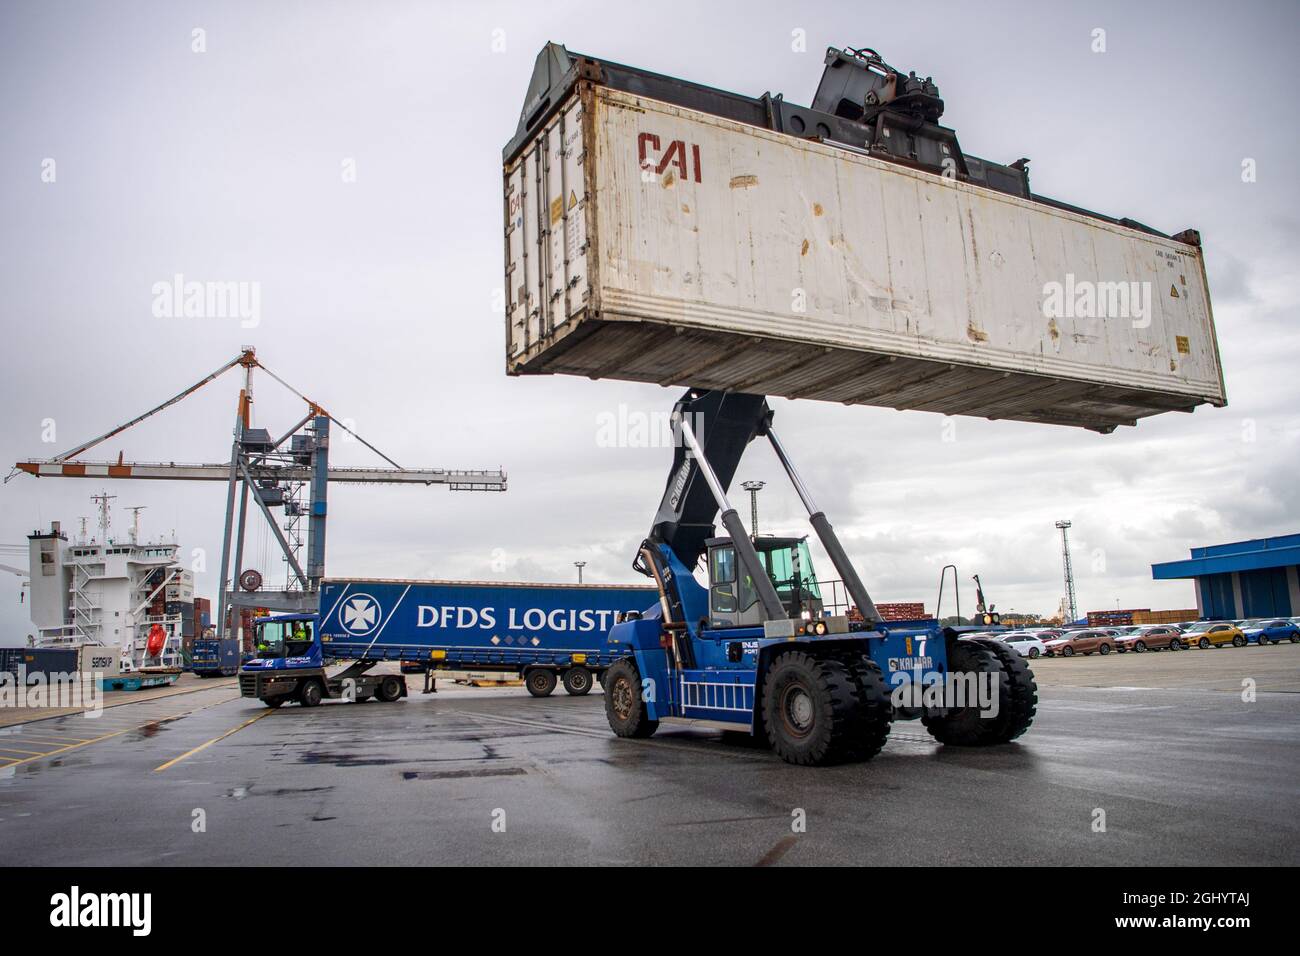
column 130, row 597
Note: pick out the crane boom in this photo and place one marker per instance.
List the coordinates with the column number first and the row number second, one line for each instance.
column 240, row 359
column 456, row 479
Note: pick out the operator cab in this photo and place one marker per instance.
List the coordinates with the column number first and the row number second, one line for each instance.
column 283, row 637
column 733, row 600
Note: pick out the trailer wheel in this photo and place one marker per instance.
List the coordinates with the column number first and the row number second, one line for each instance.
column 311, row 693
column 577, row 681
column 624, row 706
column 812, row 710
column 390, row 689
column 1013, row 682
column 540, row 682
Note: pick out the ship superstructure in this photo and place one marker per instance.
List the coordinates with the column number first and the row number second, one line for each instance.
column 101, row 590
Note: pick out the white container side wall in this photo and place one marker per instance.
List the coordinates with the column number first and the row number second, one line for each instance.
column 787, row 237
column 768, row 243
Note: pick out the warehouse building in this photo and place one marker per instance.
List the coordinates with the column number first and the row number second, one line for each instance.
column 1257, row 578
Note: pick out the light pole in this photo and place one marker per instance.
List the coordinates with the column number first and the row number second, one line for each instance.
column 579, row 565
column 753, row 487
column 1069, row 605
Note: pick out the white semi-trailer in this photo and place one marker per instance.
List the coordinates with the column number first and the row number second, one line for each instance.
column 661, row 231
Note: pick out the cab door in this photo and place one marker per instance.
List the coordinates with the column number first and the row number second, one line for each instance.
column 724, row 599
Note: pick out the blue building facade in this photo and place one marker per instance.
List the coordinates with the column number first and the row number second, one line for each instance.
column 1257, row 578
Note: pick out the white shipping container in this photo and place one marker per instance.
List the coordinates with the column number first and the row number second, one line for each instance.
column 653, row 243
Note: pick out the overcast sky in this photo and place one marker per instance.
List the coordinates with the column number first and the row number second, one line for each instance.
column 377, row 295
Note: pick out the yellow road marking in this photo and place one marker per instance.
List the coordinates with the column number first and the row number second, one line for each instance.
column 24, row 739
column 19, row 750
column 84, row 743
column 207, row 744
column 117, row 733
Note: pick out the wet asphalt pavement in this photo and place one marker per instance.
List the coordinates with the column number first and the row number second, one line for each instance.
column 1187, row 774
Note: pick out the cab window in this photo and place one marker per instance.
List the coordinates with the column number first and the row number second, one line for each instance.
column 284, row 638
column 270, row 639
column 722, row 578
column 724, row 566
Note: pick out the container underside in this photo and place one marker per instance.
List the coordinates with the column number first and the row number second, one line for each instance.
column 698, row 358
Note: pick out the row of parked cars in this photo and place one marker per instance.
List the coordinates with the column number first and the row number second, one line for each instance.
column 1060, row 642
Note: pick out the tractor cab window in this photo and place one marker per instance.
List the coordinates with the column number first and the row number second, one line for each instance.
column 270, row 639
column 284, row 638
column 298, row 639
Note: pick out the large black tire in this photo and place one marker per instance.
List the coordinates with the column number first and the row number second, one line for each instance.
column 311, row 693
column 577, row 681
column 812, row 710
column 274, row 702
column 875, row 709
column 1015, row 687
column 540, row 682
column 390, row 689
column 624, row 707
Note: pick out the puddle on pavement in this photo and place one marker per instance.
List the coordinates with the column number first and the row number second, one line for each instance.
column 461, row 774
column 348, row 760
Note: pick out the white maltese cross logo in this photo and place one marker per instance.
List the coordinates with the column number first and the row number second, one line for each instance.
column 360, row 614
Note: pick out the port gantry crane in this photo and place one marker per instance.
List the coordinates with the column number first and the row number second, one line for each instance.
column 272, row 472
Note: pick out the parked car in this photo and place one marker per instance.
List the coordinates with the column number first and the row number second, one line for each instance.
column 1271, row 631
column 1151, row 637
column 1205, row 634
column 1088, row 641
column 1027, row 644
